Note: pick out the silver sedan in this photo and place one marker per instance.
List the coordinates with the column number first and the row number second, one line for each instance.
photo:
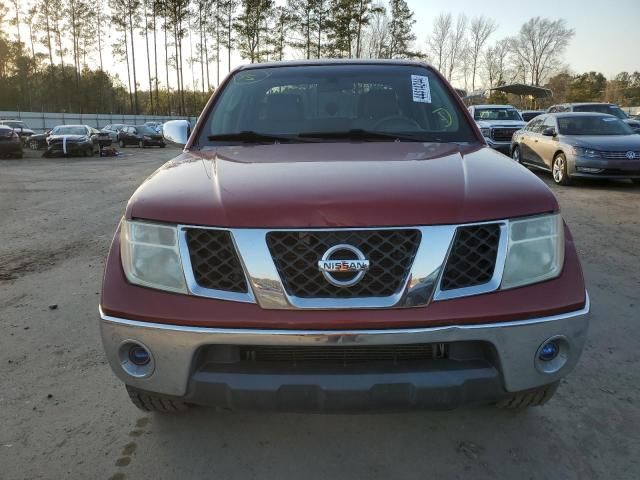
column 579, row 145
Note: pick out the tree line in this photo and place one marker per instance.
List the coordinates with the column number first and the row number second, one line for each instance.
column 59, row 65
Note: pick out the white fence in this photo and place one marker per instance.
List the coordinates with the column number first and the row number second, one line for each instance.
column 39, row 121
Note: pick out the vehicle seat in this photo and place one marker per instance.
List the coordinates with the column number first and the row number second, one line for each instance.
column 378, row 104
column 282, row 112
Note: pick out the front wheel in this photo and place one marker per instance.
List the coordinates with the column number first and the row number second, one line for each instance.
column 121, row 143
column 529, row 398
column 516, row 155
column 559, row 170
column 33, row 145
column 148, row 402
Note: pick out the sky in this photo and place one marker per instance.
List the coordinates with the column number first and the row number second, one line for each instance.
column 607, row 35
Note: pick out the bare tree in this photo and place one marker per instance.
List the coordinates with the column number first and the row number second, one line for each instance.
column 438, row 42
column 540, row 45
column 480, row 29
column 376, row 43
column 457, row 44
column 495, row 62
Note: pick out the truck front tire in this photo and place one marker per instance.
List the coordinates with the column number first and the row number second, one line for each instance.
column 148, row 402
column 529, row 398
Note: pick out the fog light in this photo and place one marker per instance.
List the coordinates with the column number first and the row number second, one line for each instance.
column 136, row 359
column 139, row 355
column 549, row 351
column 553, row 354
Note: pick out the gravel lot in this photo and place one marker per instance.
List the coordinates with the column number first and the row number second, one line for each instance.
column 64, row 415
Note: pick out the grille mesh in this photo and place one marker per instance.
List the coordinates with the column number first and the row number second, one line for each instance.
column 214, row 260
column 390, row 252
column 503, row 134
column 473, row 257
column 339, row 355
column 620, row 155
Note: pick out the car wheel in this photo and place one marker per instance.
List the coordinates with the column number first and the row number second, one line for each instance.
column 148, row 402
column 33, row 145
column 88, row 152
column 516, row 155
column 162, row 145
column 141, row 144
column 529, row 398
column 121, row 143
column 559, row 170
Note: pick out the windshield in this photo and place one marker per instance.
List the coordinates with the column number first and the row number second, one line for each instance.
column 331, row 102
column 596, row 125
column 15, row 124
column 602, row 108
column 496, row 114
column 144, row 130
column 69, row 131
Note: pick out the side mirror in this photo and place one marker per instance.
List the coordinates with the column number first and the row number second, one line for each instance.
column 176, row 131
column 549, row 132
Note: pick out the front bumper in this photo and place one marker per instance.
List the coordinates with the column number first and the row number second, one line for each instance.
column 10, row 148
column 610, row 169
column 502, row 147
column 180, row 371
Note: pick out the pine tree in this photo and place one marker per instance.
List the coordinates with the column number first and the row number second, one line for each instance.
column 400, row 30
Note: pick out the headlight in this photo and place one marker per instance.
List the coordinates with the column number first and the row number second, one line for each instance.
column 535, row 250
column 586, row 152
column 486, row 132
column 150, row 255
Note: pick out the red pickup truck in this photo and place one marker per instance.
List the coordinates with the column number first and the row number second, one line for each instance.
column 337, row 236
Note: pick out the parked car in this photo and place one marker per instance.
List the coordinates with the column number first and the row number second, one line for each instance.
column 528, row 115
column 140, row 135
column 38, row 141
column 10, row 143
column 579, row 145
column 157, row 126
column 113, row 130
column 608, row 108
column 20, row 127
column 75, row 140
column 497, row 124
column 336, row 235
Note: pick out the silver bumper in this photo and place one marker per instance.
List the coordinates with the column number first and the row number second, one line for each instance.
column 173, row 347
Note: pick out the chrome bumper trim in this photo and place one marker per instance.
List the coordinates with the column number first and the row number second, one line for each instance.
column 515, row 342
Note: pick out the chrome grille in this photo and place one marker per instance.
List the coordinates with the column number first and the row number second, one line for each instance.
column 341, row 355
column 503, row 134
column 390, row 252
column 472, row 259
column 620, row 155
column 214, row 260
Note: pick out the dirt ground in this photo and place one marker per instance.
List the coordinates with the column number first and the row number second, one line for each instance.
column 63, row 414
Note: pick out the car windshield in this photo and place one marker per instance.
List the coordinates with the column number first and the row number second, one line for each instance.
column 335, row 102
column 596, row 125
column 146, row 130
column 496, row 114
column 602, row 108
column 15, row 124
column 69, row 131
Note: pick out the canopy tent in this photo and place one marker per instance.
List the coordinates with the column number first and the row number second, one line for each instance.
column 523, row 89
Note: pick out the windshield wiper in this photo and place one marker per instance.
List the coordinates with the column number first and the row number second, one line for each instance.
column 361, row 134
column 251, row 136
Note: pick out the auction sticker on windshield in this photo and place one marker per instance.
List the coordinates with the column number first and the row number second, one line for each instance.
column 421, row 90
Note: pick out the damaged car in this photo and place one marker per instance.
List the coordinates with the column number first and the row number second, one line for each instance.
column 10, row 143
column 75, row 140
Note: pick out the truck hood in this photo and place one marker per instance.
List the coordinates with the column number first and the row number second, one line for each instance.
column 500, row 123
column 340, row 185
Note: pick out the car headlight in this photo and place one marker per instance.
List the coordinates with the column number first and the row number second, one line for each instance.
column 586, row 152
column 535, row 250
column 151, row 256
column 486, row 132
